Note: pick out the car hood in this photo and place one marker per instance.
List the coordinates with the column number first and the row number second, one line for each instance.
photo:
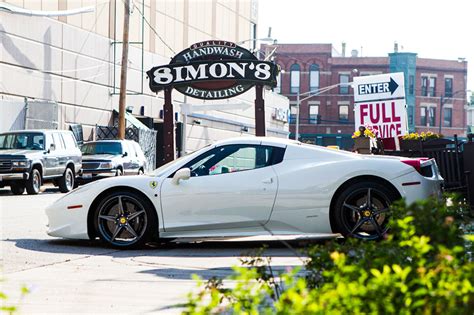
column 99, row 157
column 18, row 153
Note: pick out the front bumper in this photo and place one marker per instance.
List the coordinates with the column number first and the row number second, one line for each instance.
column 14, row 176
column 88, row 175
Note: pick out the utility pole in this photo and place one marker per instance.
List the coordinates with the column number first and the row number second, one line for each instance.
column 123, row 71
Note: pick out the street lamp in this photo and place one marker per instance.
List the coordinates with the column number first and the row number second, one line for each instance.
column 312, row 94
column 443, row 101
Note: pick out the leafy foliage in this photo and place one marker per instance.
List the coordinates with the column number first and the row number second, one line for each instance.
column 422, row 267
column 6, row 306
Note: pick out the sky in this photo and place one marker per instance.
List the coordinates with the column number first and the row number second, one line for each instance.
column 432, row 29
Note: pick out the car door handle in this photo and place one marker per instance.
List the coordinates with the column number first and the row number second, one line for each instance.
column 268, row 181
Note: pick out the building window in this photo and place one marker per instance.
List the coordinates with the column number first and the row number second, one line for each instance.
column 344, row 81
column 432, row 116
column 293, row 113
column 313, row 114
column 448, row 117
column 424, row 86
column 432, row 90
column 343, row 112
column 314, row 78
column 423, row 116
column 411, row 85
column 448, row 87
column 277, row 88
column 294, row 78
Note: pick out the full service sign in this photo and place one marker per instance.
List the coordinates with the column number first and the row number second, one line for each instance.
column 380, row 104
column 213, row 70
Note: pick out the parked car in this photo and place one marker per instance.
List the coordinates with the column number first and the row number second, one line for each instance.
column 245, row 187
column 30, row 157
column 107, row 158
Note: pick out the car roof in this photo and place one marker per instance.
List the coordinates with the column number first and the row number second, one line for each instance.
column 36, row 131
column 257, row 140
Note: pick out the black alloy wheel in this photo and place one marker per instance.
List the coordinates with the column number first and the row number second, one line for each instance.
column 125, row 220
column 363, row 211
column 33, row 183
column 66, row 182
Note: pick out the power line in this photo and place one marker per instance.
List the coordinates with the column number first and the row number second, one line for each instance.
column 153, row 29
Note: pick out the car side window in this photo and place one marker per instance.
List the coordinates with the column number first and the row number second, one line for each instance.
column 231, row 158
column 58, row 141
column 126, row 148
column 69, row 141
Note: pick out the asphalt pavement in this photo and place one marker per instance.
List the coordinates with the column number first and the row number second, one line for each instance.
column 70, row 277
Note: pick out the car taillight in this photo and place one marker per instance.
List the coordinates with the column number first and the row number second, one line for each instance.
column 415, row 162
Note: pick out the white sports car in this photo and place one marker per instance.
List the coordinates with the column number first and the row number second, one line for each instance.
column 246, row 187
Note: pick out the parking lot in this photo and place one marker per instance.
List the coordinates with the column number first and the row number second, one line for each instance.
column 84, row 277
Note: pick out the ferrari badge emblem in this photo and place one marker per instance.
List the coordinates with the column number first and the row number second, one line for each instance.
column 153, row 184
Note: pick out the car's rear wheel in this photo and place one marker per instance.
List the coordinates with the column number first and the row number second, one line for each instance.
column 17, row 188
column 362, row 210
column 125, row 220
column 66, row 182
column 33, row 183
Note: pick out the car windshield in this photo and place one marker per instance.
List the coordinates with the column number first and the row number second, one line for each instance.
column 114, row 148
column 25, row 141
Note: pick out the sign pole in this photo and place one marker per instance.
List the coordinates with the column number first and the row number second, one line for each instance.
column 259, row 112
column 168, row 127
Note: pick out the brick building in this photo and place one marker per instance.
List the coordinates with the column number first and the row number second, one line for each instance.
column 328, row 118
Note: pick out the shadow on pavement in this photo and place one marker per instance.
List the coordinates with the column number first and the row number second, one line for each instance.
column 200, row 249
column 5, row 192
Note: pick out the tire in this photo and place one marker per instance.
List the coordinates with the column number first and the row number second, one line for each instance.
column 129, row 226
column 33, row 184
column 119, row 172
column 354, row 216
column 17, row 188
column 140, row 172
column 66, row 182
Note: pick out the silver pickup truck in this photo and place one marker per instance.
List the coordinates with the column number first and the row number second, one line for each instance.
column 30, row 157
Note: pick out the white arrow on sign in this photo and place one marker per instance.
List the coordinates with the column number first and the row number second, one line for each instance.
column 379, row 87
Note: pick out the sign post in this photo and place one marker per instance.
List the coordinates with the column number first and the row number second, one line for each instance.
column 379, row 104
column 212, row 70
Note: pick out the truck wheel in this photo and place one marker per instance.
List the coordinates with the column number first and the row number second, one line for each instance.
column 33, row 184
column 66, row 182
column 17, row 188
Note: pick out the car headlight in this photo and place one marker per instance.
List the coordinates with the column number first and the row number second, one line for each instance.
column 21, row 164
column 106, row 165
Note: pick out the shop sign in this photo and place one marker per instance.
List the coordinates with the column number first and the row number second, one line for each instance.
column 213, row 70
column 281, row 114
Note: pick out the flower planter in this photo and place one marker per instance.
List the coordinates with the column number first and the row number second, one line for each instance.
column 410, row 145
column 362, row 145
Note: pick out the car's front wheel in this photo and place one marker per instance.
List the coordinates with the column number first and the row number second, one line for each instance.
column 125, row 220
column 362, row 210
column 33, row 183
column 17, row 188
column 66, row 182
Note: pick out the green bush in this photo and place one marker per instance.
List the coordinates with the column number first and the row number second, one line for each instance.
column 422, row 267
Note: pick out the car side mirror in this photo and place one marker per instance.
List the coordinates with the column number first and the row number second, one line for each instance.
column 52, row 147
column 182, row 174
column 125, row 154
